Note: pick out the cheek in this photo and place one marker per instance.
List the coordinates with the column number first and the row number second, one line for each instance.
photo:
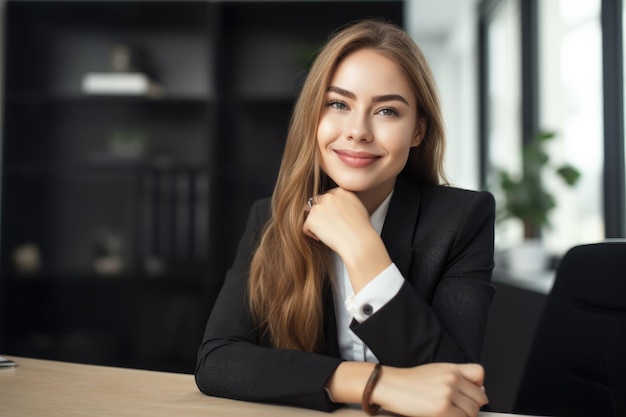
column 399, row 140
column 327, row 130
column 401, row 155
column 399, row 149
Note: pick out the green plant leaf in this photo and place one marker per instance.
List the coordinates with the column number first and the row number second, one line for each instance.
column 545, row 136
column 569, row 174
column 525, row 197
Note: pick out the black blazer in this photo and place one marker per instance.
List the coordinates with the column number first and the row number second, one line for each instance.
column 440, row 238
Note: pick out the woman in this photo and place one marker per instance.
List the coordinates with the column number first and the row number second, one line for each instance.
column 320, row 291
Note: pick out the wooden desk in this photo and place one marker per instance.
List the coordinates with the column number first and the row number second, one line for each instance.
column 48, row 388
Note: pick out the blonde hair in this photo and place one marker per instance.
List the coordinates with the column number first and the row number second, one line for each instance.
column 289, row 270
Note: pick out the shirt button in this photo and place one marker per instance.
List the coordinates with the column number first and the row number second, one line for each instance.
column 367, row 309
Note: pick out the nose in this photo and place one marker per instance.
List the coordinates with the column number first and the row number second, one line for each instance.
column 358, row 128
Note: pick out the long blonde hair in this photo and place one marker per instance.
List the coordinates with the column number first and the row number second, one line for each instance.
column 290, row 270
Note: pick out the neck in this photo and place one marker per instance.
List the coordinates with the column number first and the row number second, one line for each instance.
column 372, row 199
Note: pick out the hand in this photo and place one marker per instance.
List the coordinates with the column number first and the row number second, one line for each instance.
column 341, row 222
column 433, row 390
column 337, row 218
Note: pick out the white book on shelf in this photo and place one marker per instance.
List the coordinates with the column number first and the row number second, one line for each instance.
column 120, row 83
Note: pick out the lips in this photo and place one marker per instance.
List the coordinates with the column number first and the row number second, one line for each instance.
column 356, row 159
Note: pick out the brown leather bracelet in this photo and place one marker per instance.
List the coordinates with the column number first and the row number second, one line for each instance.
column 369, row 408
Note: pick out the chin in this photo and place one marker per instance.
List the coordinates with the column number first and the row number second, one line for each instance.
column 355, row 187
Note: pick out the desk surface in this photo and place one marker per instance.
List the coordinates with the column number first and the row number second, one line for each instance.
column 48, row 388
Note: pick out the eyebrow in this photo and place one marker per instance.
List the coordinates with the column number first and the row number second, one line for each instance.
column 375, row 99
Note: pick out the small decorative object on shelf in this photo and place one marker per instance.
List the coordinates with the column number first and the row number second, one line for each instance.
column 123, row 83
column 128, row 142
column 27, row 258
column 108, row 253
column 130, row 74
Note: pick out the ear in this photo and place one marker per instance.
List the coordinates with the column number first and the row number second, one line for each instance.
column 420, row 130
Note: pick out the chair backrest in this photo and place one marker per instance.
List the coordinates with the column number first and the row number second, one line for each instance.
column 577, row 362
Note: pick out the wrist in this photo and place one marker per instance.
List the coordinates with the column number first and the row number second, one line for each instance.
column 367, row 405
column 347, row 383
column 366, row 261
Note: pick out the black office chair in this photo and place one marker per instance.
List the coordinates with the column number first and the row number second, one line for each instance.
column 577, row 362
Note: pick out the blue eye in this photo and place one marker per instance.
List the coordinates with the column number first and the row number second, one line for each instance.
column 337, row 105
column 387, row 111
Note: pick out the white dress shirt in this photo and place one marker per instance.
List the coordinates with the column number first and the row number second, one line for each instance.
column 368, row 301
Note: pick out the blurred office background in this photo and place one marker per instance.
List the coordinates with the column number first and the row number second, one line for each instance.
column 135, row 135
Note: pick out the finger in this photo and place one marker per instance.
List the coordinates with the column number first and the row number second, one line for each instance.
column 312, row 236
column 307, row 230
column 475, row 393
column 469, row 397
column 473, row 372
column 466, row 405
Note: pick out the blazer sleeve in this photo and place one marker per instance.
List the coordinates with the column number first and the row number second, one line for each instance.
column 443, row 322
column 232, row 363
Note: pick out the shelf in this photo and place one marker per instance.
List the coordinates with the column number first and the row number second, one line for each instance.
column 171, row 40
column 187, row 279
column 269, row 57
column 37, row 98
column 97, row 165
column 172, row 178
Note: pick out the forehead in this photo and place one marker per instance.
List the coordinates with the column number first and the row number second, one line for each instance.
column 369, row 73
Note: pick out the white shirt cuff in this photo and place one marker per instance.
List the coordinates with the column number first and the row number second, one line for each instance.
column 375, row 294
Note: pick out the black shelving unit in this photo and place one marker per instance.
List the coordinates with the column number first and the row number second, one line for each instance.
column 120, row 213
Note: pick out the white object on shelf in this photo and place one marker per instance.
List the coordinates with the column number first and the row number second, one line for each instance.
column 120, row 83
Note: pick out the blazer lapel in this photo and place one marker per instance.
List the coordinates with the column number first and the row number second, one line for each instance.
column 400, row 224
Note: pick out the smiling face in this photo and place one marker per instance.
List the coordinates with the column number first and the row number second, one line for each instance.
column 367, row 126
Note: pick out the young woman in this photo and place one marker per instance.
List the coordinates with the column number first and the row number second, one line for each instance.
column 362, row 280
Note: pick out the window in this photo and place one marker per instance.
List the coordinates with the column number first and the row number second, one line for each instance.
column 572, row 71
column 571, row 103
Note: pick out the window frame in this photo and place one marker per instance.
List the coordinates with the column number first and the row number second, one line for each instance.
column 614, row 183
column 614, row 175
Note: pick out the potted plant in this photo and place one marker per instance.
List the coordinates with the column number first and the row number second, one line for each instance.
column 526, row 198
